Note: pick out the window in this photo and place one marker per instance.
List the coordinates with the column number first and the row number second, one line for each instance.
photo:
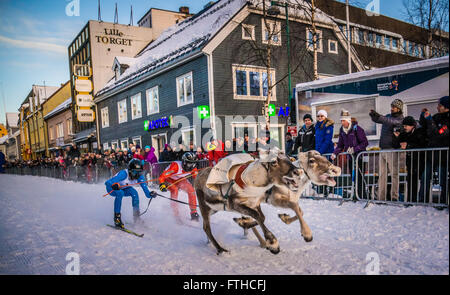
column 105, row 146
column 122, row 107
column 248, row 32
column 69, row 126
column 272, row 30
column 387, row 42
column 185, row 90
column 370, row 38
column 188, row 136
column 115, row 145
column 378, row 40
column 405, row 47
column 310, row 38
column 124, row 144
column 251, row 82
column 394, row 43
column 50, row 133
column 105, row 117
column 361, row 37
column 152, row 97
column 332, row 46
column 136, row 106
column 137, row 141
column 59, row 130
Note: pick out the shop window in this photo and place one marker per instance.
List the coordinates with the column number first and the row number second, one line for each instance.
column 124, row 144
column 185, row 88
column 188, row 136
column 115, row 145
column 137, row 141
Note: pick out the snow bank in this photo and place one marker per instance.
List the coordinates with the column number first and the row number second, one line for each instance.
column 43, row 219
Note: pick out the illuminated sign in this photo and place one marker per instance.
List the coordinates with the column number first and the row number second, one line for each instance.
column 163, row 122
column 203, row 112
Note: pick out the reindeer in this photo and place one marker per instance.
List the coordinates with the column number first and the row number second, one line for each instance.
column 314, row 168
column 245, row 194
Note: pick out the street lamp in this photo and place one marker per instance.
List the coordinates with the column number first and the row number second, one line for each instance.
column 274, row 11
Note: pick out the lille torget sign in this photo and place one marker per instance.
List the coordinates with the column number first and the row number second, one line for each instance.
column 113, row 36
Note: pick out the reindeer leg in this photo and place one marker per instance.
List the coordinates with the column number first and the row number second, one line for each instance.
column 271, row 242
column 287, row 219
column 304, row 228
column 262, row 242
column 246, row 223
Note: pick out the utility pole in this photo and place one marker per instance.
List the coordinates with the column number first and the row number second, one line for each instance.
column 314, row 29
column 348, row 38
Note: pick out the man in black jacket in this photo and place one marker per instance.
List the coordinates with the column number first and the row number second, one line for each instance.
column 412, row 137
column 306, row 136
column 438, row 132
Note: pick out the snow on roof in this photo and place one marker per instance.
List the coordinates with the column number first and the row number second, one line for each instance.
column 59, row 108
column 373, row 74
column 12, row 119
column 44, row 92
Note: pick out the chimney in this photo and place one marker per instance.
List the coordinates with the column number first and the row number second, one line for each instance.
column 184, row 9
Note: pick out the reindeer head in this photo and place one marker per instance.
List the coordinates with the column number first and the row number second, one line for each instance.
column 281, row 171
column 319, row 170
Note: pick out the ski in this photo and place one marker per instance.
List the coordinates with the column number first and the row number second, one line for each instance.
column 126, row 230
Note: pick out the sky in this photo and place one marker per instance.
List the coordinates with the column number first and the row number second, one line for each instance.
column 35, row 34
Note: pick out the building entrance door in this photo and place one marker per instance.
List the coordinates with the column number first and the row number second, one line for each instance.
column 158, row 142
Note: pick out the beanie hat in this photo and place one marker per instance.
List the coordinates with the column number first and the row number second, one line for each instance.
column 409, row 121
column 307, row 116
column 147, row 147
column 444, row 102
column 345, row 115
column 323, row 112
column 398, row 104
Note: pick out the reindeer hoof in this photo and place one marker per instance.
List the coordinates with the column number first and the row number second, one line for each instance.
column 274, row 251
column 308, row 239
column 221, row 250
column 284, row 217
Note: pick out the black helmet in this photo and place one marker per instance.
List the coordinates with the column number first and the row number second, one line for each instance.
column 135, row 168
column 189, row 161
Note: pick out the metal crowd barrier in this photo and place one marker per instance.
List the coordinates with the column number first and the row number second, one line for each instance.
column 156, row 169
column 344, row 189
column 413, row 176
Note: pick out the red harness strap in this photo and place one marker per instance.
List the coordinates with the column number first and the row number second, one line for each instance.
column 238, row 178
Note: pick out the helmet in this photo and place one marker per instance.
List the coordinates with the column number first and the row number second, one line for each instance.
column 189, row 161
column 135, row 168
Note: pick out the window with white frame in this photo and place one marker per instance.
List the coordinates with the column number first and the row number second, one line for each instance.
column 122, row 110
column 137, row 141
column 50, row 133
column 59, row 130
column 250, row 82
column 248, row 32
column 124, row 144
column 69, row 126
column 271, row 31
column 114, row 145
column 152, row 97
column 185, row 88
column 387, row 42
column 105, row 117
column 105, row 146
column 310, row 40
column 188, row 136
column 332, row 46
column 136, row 106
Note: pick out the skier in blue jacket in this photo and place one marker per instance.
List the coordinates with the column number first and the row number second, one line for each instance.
column 119, row 185
column 324, row 133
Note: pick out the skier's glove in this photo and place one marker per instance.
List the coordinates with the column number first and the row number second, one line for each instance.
column 163, row 187
column 153, row 194
column 115, row 186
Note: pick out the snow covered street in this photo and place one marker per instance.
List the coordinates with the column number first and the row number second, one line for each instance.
column 43, row 219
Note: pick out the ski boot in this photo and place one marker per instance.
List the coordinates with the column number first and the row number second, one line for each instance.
column 118, row 221
column 194, row 216
column 137, row 217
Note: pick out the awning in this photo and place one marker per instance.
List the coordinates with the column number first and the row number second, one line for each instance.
column 85, row 135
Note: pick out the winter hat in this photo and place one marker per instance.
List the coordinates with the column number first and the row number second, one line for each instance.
column 444, row 102
column 147, row 147
column 398, row 104
column 307, row 116
column 345, row 115
column 323, row 112
column 409, row 121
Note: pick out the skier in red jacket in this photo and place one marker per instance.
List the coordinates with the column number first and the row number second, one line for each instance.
column 174, row 178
